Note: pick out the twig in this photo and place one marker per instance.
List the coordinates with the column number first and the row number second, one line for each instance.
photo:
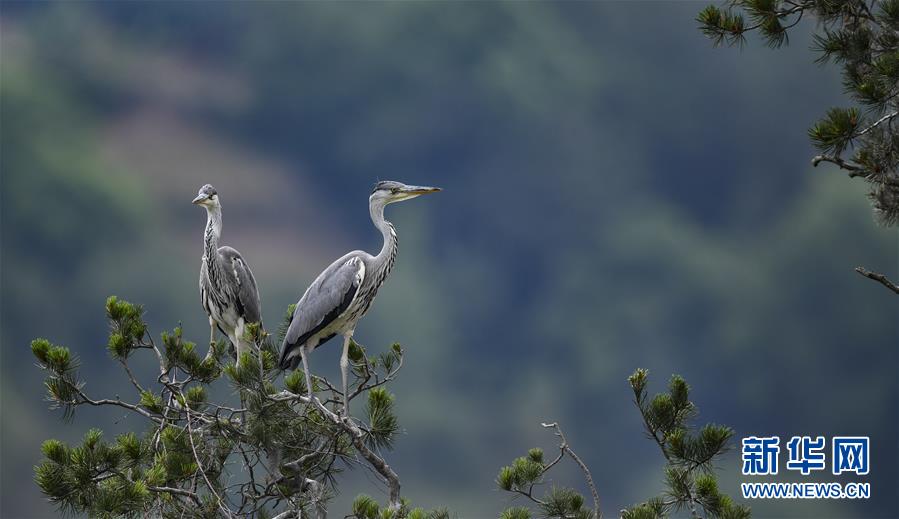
column 855, row 171
column 565, row 448
column 152, row 344
column 131, row 376
column 176, row 491
column 782, row 14
column 880, row 278
column 876, row 123
column 119, row 403
column 529, row 494
column 297, row 463
column 388, row 377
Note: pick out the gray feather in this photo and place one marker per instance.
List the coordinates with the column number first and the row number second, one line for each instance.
column 247, row 294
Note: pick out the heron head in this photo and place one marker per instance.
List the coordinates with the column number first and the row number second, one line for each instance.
column 391, row 191
column 207, row 196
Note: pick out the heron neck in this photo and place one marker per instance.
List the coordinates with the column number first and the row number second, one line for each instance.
column 213, row 232
column 385, row 258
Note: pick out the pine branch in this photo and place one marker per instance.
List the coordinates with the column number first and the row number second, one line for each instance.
column 875, row 124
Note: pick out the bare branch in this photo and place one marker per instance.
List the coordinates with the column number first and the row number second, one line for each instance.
column 118, row 403
column 880, row 278
column 529, row 494
column 855, row 171
column 565, row 448
column 378, row 382
column 131, row 376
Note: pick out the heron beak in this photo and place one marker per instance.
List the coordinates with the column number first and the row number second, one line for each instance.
column 199, row 199
column 420, row 190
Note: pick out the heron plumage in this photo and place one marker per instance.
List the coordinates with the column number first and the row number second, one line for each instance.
column 228, row 290
column 342, row 294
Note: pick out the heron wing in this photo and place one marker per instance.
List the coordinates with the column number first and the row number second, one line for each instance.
column 325, row 300
column 203, row 285
column 246, row 292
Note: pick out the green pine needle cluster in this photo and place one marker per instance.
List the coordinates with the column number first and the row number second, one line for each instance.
column 97, row 478
column 366, row 507
column 383, row 422
column 127, row 327
column 183, row 355
column 563, row 503
column 516, row 512
column 726, row 26
column 722, row 25
column 522, row 474
column 62, row 384
column 860, row 36
column 834, row 133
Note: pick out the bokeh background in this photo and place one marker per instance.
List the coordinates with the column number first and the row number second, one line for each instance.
column 618, row 194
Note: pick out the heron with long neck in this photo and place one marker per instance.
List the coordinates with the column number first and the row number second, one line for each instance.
column 343, row 292
column 227, row 287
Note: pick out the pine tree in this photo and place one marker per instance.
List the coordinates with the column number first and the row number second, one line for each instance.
column 862, row 37
column 279, row 453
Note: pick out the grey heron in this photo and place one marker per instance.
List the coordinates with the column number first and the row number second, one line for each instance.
column 227, row 287
column 344, row 291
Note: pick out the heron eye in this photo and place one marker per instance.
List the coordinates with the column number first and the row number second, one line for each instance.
column 394, row 191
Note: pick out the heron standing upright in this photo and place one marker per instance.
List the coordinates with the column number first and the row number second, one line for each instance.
column 342, row 294
column 227, row 286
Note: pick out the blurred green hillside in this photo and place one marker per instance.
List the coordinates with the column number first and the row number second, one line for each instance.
column 616, row 194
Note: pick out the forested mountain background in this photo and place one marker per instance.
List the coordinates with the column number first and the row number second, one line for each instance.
column 617, row 193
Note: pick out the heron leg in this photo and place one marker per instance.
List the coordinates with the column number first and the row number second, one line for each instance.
column 211, row 337
column 241, row 344
column 344, row 366
column 243, row 398
column 236, row 343
column 308, row 376
column 238, row 340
